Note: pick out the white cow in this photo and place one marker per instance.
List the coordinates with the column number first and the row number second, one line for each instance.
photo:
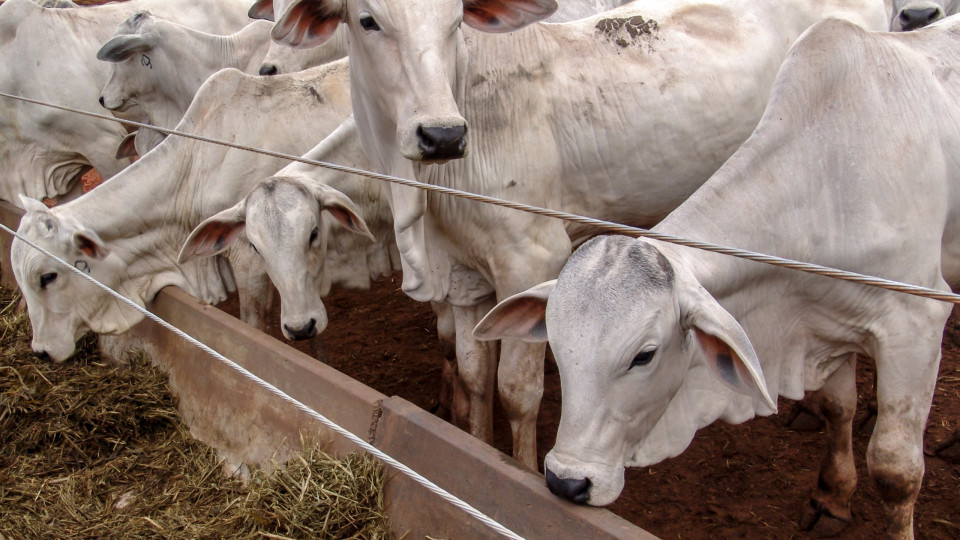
column 127, row 232
column 913, row 14
column 654, row 341
column 158, row 66
column 50, row 55
column 282, row 59
column 621, row 115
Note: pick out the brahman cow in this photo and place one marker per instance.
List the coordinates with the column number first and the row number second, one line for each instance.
column 654, row 341
column 620, row 115
column 913, row 14
column 127, row 232
column 159, row 65
column 50, row 55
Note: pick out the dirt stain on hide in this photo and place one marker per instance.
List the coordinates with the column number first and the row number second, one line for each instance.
column 624, row 32
column 317, row 95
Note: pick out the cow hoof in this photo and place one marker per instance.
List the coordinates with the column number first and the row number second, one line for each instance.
column 801, row 418
column 820, row 522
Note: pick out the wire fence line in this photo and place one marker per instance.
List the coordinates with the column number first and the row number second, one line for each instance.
column 607, row 226
column 373, row 450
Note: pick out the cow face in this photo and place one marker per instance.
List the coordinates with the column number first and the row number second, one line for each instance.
column 641, row 349
column 282, row 219
column 407, row 62
column 130, row 52
column 62, row 305
column 913, row 14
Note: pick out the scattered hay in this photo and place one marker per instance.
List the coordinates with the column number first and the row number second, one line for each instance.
column 88, row 450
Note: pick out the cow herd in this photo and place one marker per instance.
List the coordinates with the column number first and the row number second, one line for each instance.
column 810, row 129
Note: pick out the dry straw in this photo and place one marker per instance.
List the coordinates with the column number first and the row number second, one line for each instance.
column 89, row 450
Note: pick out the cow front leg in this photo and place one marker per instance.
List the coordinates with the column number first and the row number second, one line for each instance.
column 476, row 369
column 895, row 453
column 829, row 510
column 520, row 383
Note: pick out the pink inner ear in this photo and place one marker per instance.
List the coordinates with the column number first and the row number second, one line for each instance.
column 88, row 247
column 724, row 361
column 504, row 15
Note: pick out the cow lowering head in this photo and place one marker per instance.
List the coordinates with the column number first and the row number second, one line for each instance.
column 407, row 59
column 913, row 14
column 645, row 355
column 283, row 221
column 62, row 305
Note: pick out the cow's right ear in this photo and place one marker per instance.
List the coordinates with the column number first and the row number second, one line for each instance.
column 500, row 16
column 128, row 146
column 32, row 205
column 262, row 9
column 522, row 316
column 308, row 23
column 124, row 46
column 214, row 234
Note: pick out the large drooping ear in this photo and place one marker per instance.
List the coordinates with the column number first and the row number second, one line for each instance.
column 500, row 16
column 341, row 208
column 726, row 348
column 128, row 146
column 522, row 316
column 309, row 23
column 262, row 9
column 215, row 234
column 121, row 47
column 89, row 243
column 32, row 205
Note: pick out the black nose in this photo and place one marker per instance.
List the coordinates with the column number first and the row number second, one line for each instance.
column 911, row 19
column 268, row 69
column 442, row 142
column 576, row 490
column 101, row 102
column 43, row 356
column 307, row 331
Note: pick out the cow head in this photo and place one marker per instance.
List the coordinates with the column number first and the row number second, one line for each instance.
column 132, row 74
column 913, row 14
column 62, row 305
column 407, row 60
column 282, row 218
column 646, row 357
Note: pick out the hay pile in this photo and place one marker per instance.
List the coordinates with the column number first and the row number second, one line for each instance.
column 92, row 451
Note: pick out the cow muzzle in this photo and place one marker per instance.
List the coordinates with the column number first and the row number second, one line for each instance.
column 305, row 331
column 441, row 143
column 912, row 19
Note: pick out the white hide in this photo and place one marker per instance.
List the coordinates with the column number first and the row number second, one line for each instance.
column 620, row 115
column 139, row 218
column 912, row 14
column 158, row 66
column 825, row 178
column 50, row 55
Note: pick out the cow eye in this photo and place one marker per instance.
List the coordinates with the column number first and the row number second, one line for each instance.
column 367, row 23
column 314, row 234
column 46, row 279
column 642, row 358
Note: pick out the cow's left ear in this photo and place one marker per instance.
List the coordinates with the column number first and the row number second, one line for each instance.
column 500, row 16
column 124, row 46
column 215, row 234
column 726, row 348
column 308, row 23
column 262, row 9
column 341, row 207
column 522, row 316
column 128, row 146
column 89, row 244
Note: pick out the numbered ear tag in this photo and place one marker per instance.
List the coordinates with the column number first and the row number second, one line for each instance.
column 82, row 266
column 145, row 60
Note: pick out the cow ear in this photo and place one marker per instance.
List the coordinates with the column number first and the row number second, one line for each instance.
column 262, row 9
column 122, row 47
column 33, row 205
column 214, row 234
column 725, row 346
column 128, row 146
column 308, row 23
column 522, row 316
column 341, row 208
column 89, row 244
column 500, row 16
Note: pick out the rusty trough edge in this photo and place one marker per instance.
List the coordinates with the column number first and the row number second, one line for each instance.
column 249, row 425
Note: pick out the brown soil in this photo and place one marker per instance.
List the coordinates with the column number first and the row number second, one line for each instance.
column 745, row 481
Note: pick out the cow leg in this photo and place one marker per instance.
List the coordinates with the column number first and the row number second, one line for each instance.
column 906, row 378
column 829, row 511
column 452, row 396
column 520, row 383
column 476, row 369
